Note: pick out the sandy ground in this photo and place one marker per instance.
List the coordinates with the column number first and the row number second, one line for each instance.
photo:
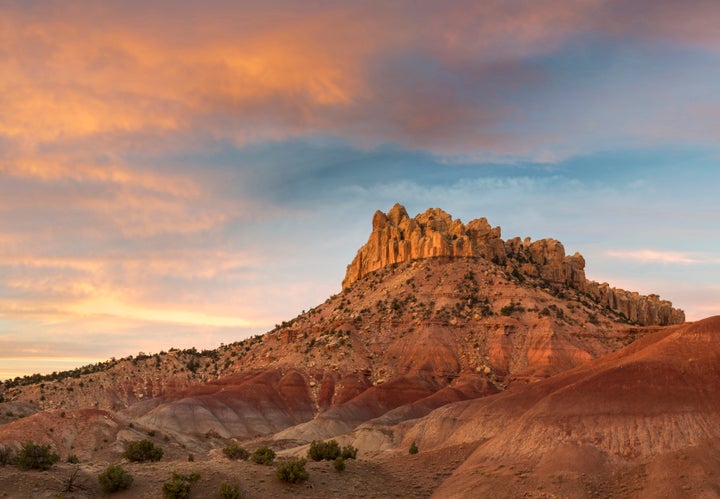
column 386, row 476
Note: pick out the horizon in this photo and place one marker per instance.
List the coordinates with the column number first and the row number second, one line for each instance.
column 183, row 175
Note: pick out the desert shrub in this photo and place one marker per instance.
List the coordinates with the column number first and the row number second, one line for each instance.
column 114, row 478
column 413, row 448
column 33, row 456
column 320, row 450
column 230, row 491
column 292, row 470
column 142, row 451
column 508, row 309
column 72, row 459
column 316, row 452
column 263, row 455
column 234, row 451
column 191, row 458
column 339, row 464
column 74, row 481
column 349, row 452
column 179, row 486
column 7, row 455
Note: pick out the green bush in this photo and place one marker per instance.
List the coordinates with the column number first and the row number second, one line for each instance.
column 320, row 450
column 35, row 457
column 230, row 491
column 7, row 455
column 114, row 478
column 292, row 470
column 72, row 459
column 316, row 452
column 339, row 464
column 142, row 451
column 413, row 449
column 349, row 452
column 234, row 451
column 179, row 486
column 263, row 455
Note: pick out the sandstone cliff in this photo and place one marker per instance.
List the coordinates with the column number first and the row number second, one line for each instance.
column 397, row 238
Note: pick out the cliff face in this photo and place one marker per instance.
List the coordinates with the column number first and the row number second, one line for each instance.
column 397, row 238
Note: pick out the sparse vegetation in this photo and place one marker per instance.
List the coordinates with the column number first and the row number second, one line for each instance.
column 234, row 451
column 142, row 451
column 72, row 459
column 34, row 456
column 113, row 479
column 7, row 455
column 413, row 449
column 179, row 486
column 230, row 491
column 193, row 365
column 331, row 451
column 263, row 455
column 320, row 450
column 510, row 309
column 292, row 471
column 339, row 464
column 74, row 481
column 349, row 452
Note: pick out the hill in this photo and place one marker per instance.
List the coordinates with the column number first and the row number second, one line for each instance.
column 646, row 418
column 434, row 316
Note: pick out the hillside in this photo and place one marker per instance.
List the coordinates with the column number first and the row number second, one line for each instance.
column 652, row 407
column 434, row 315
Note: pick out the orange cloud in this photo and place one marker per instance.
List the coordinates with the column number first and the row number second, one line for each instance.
column 105, row 216
column 256, row 72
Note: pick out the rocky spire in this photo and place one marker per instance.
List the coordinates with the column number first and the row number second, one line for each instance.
column 397, row 238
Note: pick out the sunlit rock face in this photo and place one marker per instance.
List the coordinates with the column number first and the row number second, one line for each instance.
column 397, row 238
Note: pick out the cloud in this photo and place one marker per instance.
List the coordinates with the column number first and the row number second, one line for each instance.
column 446, row 78
column 171, row 169
column 670, row 257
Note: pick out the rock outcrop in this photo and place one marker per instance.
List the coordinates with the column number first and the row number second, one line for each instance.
column 397, row 238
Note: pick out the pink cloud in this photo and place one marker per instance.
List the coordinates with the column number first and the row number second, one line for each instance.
column 275, row 70
column 672, row 257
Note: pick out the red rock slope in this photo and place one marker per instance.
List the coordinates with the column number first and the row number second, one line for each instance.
column 634, row 413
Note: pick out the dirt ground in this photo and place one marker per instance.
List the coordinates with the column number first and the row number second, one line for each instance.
column 384, row 476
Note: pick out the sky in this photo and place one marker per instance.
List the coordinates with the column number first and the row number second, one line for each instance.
column 177, row 174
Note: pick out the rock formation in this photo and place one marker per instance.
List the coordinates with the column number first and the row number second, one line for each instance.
column 397, row 238
column 508, row 368
column 644, row 405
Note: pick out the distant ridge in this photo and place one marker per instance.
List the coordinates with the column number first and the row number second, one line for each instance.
column 397, row 238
